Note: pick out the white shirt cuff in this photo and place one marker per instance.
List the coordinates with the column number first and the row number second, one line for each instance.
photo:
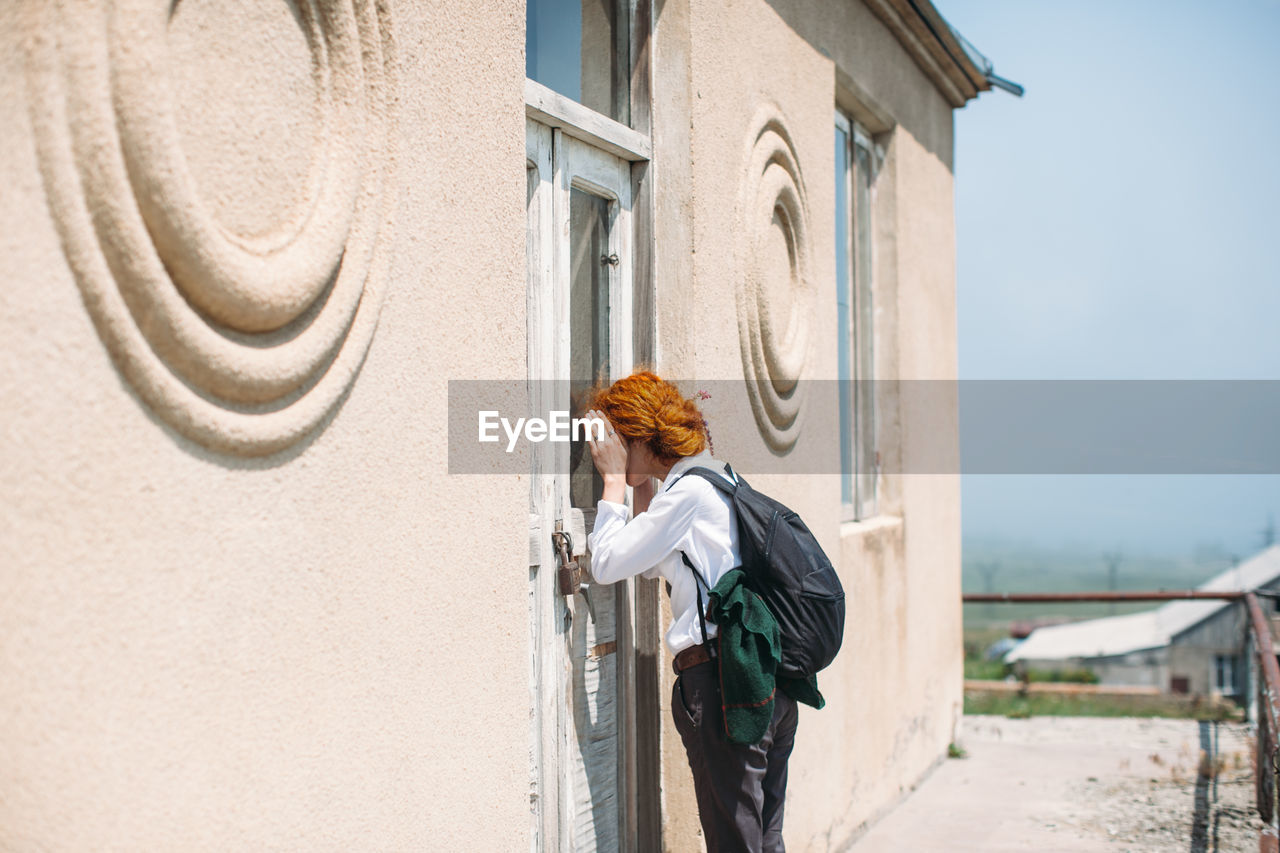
column 619, row 509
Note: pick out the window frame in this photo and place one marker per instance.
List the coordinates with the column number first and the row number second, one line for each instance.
column 859, row 473
column 627, row 15
column 547, row 106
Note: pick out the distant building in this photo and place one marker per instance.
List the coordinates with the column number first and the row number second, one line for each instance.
column 1194, row 646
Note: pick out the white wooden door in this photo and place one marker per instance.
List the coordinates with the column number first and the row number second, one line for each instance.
column 579, row 309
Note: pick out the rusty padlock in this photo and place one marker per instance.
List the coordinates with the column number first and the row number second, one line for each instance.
column 569, row 574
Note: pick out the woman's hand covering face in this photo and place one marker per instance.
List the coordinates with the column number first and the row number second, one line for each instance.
column 609, row 453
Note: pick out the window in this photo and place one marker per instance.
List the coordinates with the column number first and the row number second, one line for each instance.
column 859, row 459
column 580, row 48
column 1224, row 674
column 577, row 102
column 590, row 218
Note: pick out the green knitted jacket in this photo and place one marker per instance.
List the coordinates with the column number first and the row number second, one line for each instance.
column 750, row 647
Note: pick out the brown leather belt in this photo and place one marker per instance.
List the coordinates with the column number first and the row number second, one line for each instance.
column 694, row 655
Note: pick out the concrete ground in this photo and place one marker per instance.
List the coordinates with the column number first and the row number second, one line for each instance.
column 1082, row 784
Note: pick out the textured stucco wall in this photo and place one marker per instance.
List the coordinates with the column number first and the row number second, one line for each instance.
column 894, row 695
column 322, row 648
column 325, row 647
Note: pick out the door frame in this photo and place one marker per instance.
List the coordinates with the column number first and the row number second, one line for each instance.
column 634, row 144
column 567, row 163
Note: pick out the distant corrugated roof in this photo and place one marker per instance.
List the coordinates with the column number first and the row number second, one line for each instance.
column 1150, row 629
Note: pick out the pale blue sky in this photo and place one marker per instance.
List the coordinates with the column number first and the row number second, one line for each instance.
column 1117, row 222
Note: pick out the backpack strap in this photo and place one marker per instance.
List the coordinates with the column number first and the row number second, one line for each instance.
column 717, row 480
column 697, row 591
column 713, row 477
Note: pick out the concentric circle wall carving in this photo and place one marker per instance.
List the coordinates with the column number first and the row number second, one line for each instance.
column 243, row 343
column 776, row 293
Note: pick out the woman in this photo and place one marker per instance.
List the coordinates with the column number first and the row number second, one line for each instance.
column 653, row 431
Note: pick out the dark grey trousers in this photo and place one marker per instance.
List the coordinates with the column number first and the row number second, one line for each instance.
column 740, row 788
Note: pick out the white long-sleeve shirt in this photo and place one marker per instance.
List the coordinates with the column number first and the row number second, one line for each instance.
column 691, row 516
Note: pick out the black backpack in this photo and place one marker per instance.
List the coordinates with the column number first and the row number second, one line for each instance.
column 787, row 568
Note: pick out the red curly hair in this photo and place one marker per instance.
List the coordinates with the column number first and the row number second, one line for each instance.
column 648, row 409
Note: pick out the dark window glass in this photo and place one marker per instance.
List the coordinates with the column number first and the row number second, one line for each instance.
column 589, row 220
column 858, row 460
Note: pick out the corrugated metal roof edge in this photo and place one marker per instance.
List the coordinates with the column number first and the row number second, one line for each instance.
column 1125, row 653
column 1152, row 637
